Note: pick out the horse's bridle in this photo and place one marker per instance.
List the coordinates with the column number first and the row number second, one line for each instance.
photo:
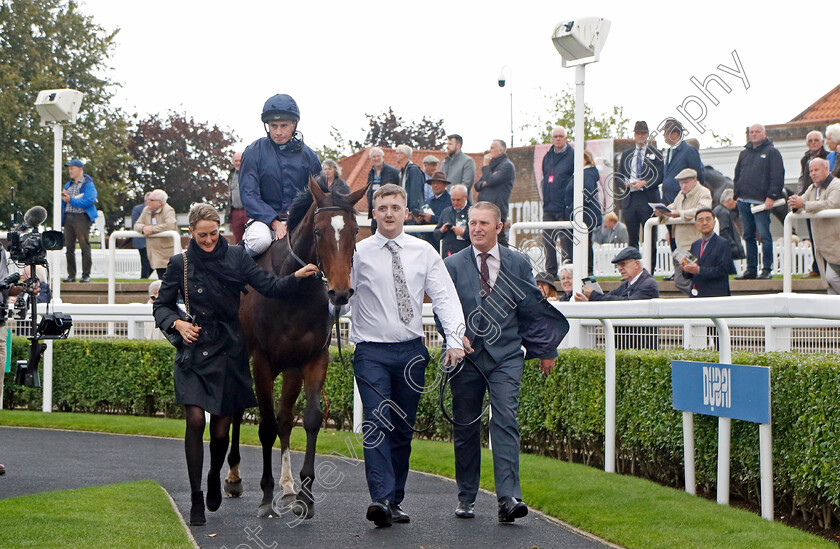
column 317, row 257
column 337, row 314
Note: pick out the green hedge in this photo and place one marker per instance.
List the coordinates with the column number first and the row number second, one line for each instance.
column 561, row 415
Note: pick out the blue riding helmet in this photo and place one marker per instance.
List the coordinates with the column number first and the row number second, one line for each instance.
column 280, row 107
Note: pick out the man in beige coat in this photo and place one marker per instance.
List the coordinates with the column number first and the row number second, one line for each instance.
column 824, row 194
column 692, row 197
column 156, row 217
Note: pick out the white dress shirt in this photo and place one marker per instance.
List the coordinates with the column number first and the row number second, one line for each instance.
column 494, row 263
column 375, row 312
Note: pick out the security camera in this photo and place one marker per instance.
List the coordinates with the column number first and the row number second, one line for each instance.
column 501, row 80
column 58, row 106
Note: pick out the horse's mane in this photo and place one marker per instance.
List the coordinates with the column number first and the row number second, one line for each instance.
column 303, row 201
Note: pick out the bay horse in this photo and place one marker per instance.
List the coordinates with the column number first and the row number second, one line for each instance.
column 290, row 337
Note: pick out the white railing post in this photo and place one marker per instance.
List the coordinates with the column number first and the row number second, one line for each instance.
column 724, row 423
column 688, row 452
column 787, row 260
column 609, row 396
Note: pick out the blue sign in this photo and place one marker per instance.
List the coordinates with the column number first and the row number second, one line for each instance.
column 723, row 390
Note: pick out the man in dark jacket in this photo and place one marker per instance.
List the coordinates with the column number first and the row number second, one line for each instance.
column 380, row 174
column 452, row 229
column 504, row 311
column 412, row 180
column 638, row 283
column 710, row 272
column 496, row 182
column 814, row 141
column 558, row 169
column 729, row 226
column 639, row 175
column 680, row 156
column 274, row 170
column 140, row 243
column 759, row 179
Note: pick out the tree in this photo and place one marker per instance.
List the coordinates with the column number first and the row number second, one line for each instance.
column 389, row 130
column 189, row 160
column 596, row 126
column 341, row 149
column 49, row 44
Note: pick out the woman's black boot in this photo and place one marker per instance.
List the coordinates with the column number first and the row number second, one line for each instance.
column 197, row 510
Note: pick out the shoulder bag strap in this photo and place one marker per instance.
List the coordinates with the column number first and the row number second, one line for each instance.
column 186, row 293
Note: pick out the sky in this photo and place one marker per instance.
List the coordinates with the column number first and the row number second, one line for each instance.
column 219, row 62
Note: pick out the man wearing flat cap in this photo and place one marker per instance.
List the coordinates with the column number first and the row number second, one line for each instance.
column 640, row 173
column 78, row 211
column 692, row 197
column 637, row 283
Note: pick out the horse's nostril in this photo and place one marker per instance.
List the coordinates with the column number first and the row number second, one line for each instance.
column 350, row 293
column 331, row 293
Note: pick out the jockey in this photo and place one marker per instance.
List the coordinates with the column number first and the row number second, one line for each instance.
column 274, row 170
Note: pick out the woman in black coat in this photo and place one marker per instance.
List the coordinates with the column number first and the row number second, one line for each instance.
column 211, row 363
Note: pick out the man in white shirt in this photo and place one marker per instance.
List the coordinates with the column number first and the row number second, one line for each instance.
column 391, row 273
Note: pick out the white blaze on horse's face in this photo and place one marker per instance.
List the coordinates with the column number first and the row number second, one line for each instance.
column 337, row 223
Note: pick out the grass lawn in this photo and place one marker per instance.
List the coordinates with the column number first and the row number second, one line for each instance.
column 131, row 514
column 625, row 510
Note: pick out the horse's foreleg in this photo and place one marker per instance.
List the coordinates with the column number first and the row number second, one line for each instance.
column 292, row 381
column 313, row 417
column 264, row 383
column 233, row 482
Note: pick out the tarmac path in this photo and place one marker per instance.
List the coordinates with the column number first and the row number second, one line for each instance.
column 41, row 460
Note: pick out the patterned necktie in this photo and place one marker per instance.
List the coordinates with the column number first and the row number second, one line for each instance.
column 403, row 298
column 484, row 273
column 639, row 163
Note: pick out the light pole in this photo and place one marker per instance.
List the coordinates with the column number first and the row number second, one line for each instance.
column 57, row 108
column 579, row 42
column 502, row 81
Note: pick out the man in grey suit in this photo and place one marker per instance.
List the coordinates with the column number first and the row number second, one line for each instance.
column 504, row 310
column 458, row 167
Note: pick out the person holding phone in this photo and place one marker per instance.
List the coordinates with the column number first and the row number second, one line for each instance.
column 211, row 362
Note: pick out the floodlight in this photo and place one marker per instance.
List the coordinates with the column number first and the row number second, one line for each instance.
column 58, row 106
column 580, row 41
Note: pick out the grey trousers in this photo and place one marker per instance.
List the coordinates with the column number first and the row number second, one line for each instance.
column 77, row 228
column 468, row 389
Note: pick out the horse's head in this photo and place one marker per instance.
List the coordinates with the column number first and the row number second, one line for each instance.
column 335, row 238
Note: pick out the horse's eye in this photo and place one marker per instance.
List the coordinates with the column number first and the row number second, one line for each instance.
column 356, row 231
column 318, row 233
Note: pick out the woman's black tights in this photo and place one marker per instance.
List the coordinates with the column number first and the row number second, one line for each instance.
column 194, row 445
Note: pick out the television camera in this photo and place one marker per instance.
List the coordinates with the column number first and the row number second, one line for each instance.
column 28, row 248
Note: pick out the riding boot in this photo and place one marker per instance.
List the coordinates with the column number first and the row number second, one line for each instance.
column 197, row 510
column 214, row 491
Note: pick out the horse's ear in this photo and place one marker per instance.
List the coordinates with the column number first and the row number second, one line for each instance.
column 356, row 195
column 317, row 193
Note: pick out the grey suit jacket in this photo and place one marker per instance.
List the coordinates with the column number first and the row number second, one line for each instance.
column 514, row 314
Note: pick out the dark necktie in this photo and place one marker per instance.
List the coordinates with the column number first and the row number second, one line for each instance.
column 638, row 163
column 484, row 273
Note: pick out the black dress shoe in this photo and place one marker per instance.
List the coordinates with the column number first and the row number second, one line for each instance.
column 668, row 278
column 84, row 279
column 746, row 275
column 765, row 275
column 379, row 513
column 398, row 515
column 511, row 509
column 465, row 510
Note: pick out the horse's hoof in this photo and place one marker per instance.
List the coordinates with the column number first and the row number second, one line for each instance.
column 303, row 510
column 304, row 506
column 233, row 489
column 265, row 510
